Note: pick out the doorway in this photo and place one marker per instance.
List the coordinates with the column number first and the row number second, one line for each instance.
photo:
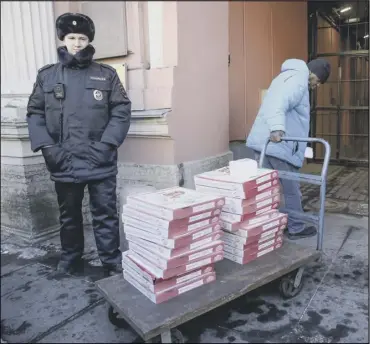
column 262, row 35
column 339, row 32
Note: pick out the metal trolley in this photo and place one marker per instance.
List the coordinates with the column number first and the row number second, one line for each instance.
column 155, row 323
column 317, row 220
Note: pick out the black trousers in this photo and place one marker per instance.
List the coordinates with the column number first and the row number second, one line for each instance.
column 103, row 200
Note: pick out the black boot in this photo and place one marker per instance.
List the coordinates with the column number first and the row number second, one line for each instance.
column 306, row 233
column 71, row 268
column 112, row 270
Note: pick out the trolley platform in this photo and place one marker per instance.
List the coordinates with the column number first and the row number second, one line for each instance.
column 232, row 281
column 285, row 264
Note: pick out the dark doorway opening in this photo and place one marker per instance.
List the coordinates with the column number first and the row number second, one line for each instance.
column 339, row 32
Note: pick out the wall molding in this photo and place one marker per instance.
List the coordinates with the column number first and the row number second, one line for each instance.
column 139, row 127
column 142, row 127
column 144, row 123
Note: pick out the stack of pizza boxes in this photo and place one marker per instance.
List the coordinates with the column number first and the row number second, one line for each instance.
column 252, row 224
column 174, row 238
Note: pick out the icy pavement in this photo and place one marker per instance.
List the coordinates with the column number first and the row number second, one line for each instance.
column 40, row 306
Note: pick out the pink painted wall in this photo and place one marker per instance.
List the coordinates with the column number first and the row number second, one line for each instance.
column 237, row 77
column 271, row 33
column 140, row 150
column 199, row 121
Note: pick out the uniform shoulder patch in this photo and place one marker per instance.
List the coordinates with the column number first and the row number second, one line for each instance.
column 41, row 73
column 122, row 90
column 46, row 67
column 112, row 69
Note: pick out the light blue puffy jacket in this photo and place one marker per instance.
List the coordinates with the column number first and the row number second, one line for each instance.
column 285, row 107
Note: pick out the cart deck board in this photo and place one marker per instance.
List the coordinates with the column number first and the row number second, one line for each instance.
column 232, row 280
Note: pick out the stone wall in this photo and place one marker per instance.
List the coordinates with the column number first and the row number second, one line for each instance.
column 147, row 159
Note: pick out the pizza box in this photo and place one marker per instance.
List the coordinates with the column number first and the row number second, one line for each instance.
column 168, row 273
column 192, row 239
column 176, row 252
column 152, row 223
column 160, row 283
column 222, row 179
column 252, row 208
column 162, row 296
column 237, row 218
column 171, row 263
column 254, row 247
column 237, row 241
column 243, row 206
column 280, row 221
column 157, row 284
column 251, row 257
column 241, row 194
column 174, row 203
column 174, row 238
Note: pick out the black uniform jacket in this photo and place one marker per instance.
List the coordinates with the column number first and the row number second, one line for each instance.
column 86, row 127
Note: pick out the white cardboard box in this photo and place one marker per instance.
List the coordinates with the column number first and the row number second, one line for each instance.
column 175, row 203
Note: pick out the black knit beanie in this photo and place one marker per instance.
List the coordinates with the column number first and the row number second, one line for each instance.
column 321, row 68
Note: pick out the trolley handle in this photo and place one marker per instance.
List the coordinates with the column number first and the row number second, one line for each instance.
column 324, row 170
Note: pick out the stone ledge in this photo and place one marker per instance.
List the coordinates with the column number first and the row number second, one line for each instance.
column 164, row 176
column 191, row 168
column 158, row 176
column 144, row 123
column 142, row 127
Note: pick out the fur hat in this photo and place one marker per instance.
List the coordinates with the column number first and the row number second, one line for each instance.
column 75, row 23
column 321, row 68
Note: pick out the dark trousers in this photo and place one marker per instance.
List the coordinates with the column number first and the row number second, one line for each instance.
column 291, row 191
column 103, row 209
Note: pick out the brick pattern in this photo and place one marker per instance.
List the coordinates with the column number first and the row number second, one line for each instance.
column 349, row 187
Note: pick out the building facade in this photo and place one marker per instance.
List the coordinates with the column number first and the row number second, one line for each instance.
column 194, row 71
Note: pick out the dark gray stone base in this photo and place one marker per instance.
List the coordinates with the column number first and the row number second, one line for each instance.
column 165, row 176
column 29, row 207
column 30, row 210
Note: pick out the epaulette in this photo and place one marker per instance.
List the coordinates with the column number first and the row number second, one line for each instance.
column 112, row 69
column 46, row 67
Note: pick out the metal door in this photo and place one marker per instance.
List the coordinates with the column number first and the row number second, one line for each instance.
column 340, row 107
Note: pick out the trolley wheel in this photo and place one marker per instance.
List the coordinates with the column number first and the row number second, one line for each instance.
column 115, row 320
column 291, row 285
column 154, row 340
column 177, row 336
column 319, row 259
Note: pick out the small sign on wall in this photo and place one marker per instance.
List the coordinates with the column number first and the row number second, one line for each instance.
column 121, row 69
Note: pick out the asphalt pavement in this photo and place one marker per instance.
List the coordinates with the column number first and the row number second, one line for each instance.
column 40, row 306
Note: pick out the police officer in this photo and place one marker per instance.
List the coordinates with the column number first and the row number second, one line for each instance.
column 78, row 115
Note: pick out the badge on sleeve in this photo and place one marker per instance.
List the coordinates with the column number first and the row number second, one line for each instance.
column 122, row 90
column 98, row 95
